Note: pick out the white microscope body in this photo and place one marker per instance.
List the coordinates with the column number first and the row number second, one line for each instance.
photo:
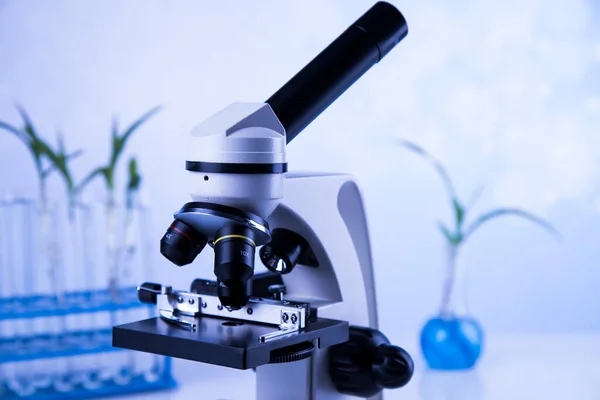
column 327, row 210
column 310, row 327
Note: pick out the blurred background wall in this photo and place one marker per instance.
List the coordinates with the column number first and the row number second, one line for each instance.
column 506, row 94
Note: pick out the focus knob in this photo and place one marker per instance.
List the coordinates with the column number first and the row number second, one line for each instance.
column 367, row 363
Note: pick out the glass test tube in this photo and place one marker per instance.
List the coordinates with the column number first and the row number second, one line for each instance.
column 153, row 364
column 22, row 378
column 51, row 281
column 115, row 366
column 80, row 278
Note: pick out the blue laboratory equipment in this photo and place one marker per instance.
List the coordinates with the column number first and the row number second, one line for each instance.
column 452, row 344
column 55, row 325
column 26, row 348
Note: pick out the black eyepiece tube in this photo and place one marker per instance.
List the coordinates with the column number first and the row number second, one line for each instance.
column 336, row 68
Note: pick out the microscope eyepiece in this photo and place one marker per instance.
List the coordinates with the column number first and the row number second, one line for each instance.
column 234, row 247
column 181, row 243
column 237, row 161
column 304, row 97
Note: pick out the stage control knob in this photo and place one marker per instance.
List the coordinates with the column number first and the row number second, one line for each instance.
column 292, row 353
column 367, row 363
column 148, row 291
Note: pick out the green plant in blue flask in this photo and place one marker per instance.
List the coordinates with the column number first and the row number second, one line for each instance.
column 453, row 339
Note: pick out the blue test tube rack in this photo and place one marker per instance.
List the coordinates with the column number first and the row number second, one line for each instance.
column 69, row 344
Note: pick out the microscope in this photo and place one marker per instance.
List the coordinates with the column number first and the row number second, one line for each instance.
column 308, row 326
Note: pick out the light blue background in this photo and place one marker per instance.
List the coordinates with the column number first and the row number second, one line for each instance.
column 506, row 93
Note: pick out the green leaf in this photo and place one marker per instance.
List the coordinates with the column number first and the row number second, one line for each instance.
column 110, row 178
column 501, row 212
column 19, row 133
column 116, row 149
column 132, row 166
column 40, row 151
column 114, row 127
column 37, row 144
column 134, row 176
column 459, row 213
column 433, row 162
column 475, row 196
column 119, row 142
column 453, row 239
column 74, row 155
column 457, row 208
column 59, row 160
column 101, row 171
column 42, row 147
column 61, row 144
column 136, row 124
column 114, row 142
column 134, row 181
column 29, row 129
column 37, row 147
column 445, row 231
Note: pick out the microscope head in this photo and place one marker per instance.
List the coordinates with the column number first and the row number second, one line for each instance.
column 237, row 158
column 236, row 161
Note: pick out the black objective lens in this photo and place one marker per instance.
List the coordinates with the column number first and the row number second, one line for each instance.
column 283, row 252
column 235, row 295
column 181, row 243
column 234, row 264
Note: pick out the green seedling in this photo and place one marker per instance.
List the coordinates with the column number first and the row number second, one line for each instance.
column 37, row 147
column 459, row 231
column 134, row 181
column 458, row 234
column 60, row 162
column 119, row 140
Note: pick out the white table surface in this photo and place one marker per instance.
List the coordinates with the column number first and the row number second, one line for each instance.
column 519, row 367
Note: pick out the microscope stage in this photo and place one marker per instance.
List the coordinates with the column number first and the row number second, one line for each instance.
column 223, row 342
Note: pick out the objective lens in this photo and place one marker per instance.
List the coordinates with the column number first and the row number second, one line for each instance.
column 181, row 243
column 282, row 253
column 236, row 295
column 234, row 264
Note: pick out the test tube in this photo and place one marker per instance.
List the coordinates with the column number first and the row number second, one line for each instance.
column 23, row 379
column 134, row 266
column 51, row 282
column 153, row 364
column 4, row 299
column 116, row 367
column 80, row 279
column 126, row 277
